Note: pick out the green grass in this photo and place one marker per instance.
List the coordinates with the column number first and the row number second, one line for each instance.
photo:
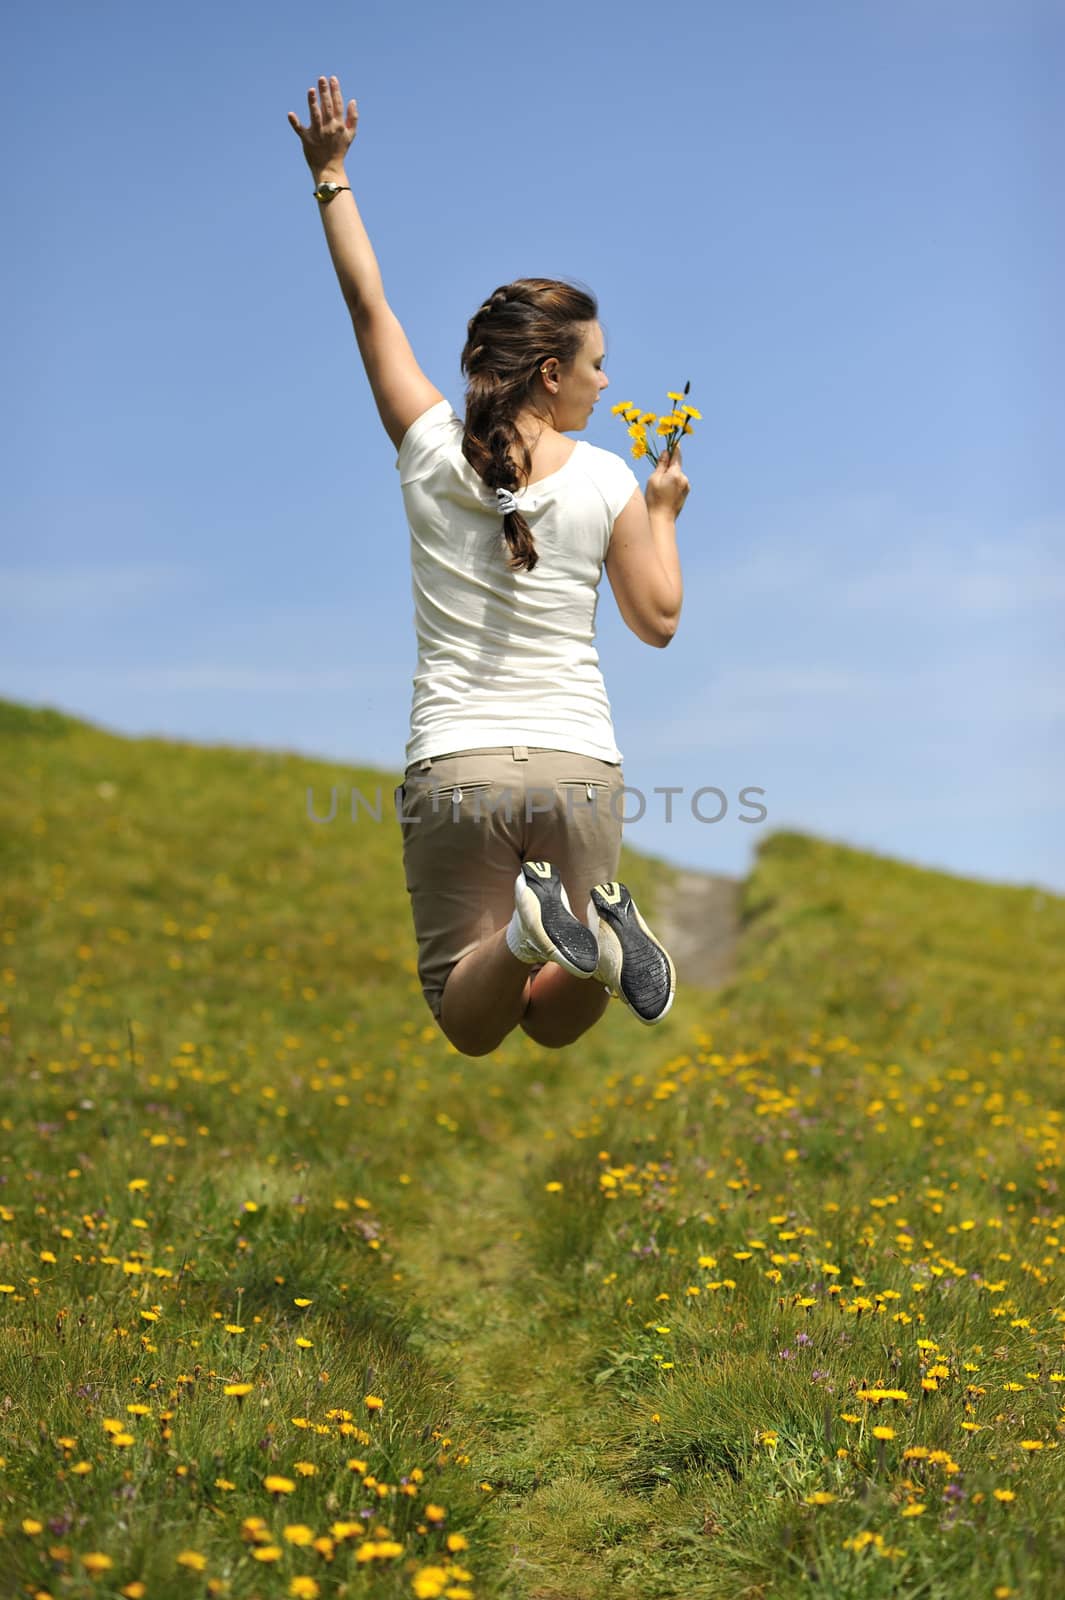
column 582, row 1323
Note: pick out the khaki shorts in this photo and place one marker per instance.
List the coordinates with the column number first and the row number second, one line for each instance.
column 469, row 820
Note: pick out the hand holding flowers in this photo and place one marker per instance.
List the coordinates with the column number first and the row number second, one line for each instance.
column 667, row 485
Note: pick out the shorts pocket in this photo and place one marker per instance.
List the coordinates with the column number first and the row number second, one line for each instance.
column 591, row 786
column 460, row 789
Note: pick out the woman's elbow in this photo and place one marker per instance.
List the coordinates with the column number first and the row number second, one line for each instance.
column 667, row 628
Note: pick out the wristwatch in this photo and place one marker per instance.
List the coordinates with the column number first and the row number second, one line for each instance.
column 325, row 191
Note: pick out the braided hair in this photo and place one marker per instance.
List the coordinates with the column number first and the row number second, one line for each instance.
column 509, row 338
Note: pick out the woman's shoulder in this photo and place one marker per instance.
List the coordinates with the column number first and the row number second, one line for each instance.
column 612, row 474
column 428, row 436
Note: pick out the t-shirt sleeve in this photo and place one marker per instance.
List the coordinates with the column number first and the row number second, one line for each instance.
column 617, row 481
column 427, row 438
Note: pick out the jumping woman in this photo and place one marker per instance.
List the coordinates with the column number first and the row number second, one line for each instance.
column 511, row 760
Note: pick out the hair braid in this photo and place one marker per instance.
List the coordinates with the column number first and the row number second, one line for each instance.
column 508, row 338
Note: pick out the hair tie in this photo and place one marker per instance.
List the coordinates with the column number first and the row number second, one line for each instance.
column 506, row 501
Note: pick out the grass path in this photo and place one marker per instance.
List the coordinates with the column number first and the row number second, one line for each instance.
column 295, row 1301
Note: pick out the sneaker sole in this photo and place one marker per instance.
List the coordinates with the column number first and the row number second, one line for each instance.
column 647, row 979
column 574, row 946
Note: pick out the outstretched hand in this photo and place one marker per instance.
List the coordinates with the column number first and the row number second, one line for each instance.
column 326, row 141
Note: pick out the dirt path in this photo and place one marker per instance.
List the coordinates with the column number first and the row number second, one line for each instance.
column 697, row 919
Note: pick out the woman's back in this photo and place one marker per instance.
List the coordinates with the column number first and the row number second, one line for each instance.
column 507, row 656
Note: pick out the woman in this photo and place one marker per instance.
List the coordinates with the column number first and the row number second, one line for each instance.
column 511, row 762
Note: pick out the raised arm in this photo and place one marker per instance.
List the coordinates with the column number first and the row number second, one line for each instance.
column 400, row 388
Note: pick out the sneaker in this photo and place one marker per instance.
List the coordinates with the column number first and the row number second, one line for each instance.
column 549, row 930
column 633, row 965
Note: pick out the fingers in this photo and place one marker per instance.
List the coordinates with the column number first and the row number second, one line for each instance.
column 332, row 103
column 331, row 107
column 329, row 111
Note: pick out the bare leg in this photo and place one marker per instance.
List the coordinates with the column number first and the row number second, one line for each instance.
column 562, row 1007
column 485, row 996
column 489, row 992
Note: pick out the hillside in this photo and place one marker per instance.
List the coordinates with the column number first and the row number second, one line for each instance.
column 296, row 1300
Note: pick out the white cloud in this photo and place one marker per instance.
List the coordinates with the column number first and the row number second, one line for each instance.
column 870, row 555
column 90, row 588
column 219, row 678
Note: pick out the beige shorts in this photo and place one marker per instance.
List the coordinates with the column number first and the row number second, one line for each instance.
column 469, row 820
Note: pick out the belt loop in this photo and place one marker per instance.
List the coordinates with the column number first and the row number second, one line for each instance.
column 521, row 752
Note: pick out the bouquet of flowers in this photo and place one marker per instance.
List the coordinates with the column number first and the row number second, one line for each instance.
column 671, row 426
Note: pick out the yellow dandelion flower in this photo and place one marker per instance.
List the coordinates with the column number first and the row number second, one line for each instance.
column 135, row 1590
column 31, row 1526
column 304, row 1589
column 121, row 1439
column 306, row 1469
column 1004, row 1494
column 191, row 1559
column 820, row 1497
column 305, row 1344
column 81, row 1468
column 302, row 1302
column 883, row 1433
column 234, row 1327
column 238, row 1389
column 1031, row 1444
column 276, row 1485
column 849, row 1416
column 299, row 1533
column 916, row 1508
column 96, row 1562
column 267, row 1552
column 224, row 1483
column 372, row 1402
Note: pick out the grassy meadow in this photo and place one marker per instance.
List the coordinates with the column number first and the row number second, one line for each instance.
column 295, row 1300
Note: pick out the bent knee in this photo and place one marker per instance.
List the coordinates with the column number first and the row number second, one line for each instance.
column 556, row 1036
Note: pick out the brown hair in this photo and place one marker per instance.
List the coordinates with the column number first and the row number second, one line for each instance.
column 513, row 333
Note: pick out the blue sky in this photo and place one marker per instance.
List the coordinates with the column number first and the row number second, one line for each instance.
column 843, row 222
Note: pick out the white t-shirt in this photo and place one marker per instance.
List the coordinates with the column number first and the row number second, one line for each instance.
column 507, row 657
